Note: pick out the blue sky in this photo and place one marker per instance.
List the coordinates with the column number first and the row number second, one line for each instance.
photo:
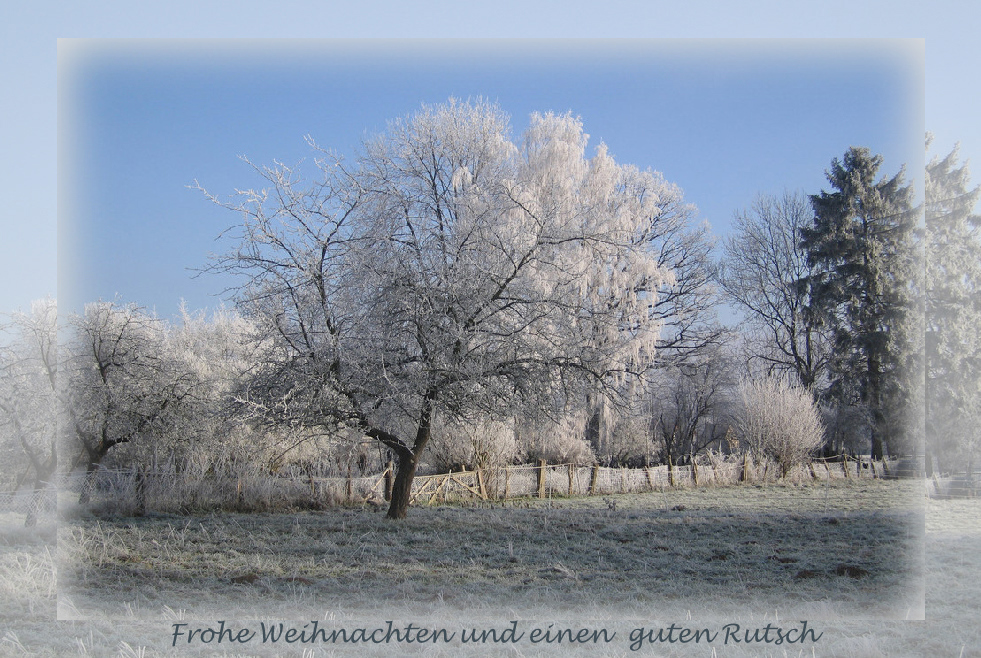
column 725, row 120
column 168, row 228
column 29, row 170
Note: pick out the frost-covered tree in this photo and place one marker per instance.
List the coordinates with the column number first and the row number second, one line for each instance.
column 213, row 353
column 448, row 269
column 122, row 383
column 686, row 304
column 557, row 438
column 29, row 395
column 765, row 272
column 688, row 406
column 953, row 314
column 479, row 443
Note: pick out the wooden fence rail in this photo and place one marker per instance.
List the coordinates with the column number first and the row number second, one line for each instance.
column 167, row 491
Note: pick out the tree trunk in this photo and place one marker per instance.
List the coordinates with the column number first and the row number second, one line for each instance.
column 875, row 404
column 45, row 474
column 407, row 460
column 405, row 473
column 94, row 448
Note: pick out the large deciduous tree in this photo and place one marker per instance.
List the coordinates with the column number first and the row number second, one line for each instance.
column 953, row 314
column 210, row 355
column 685, row 304
column 122, row 382
column 861, row 245
column 29, row 395
column 447, row 270
column 765, row 272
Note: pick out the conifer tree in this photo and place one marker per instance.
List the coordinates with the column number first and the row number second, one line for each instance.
column 861, row 244
column 953, row 313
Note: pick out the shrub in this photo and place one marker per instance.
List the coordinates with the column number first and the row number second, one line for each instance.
column 477, row 445
column 779, row 420
column 557, row 441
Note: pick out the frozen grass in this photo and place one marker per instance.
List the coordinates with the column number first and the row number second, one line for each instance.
column 132, row 578
column 839, row 550
column 28, row 581
column 28, row 584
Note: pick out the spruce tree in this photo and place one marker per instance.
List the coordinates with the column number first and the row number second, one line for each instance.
column 953, row 313
column 860, row 244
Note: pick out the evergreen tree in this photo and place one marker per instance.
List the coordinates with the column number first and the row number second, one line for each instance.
column 953, row 313
column 860, row 244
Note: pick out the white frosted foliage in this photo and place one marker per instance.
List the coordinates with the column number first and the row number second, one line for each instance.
column 451, row 267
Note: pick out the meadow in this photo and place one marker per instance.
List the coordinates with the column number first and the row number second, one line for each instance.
column 806, row 551
column 844, row 555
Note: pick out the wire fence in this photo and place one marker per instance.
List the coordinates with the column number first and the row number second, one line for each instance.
column 137, row 491
column 544, row 480
column 29, row 507
column 964, row 485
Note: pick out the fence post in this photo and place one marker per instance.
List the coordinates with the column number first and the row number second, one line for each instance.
column 670, row 471
column 572, row 473
column 844, row 465
column 541, row 478
column 480, row 483
column 650, row 481
column 350, row 485
column 593, row 479
column 140, row 491
column 694, row 473
column 507, row 482
column 389, row 480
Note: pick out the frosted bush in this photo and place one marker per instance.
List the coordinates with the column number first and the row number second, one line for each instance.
column 560, row 441
column 778, row 420
column 477, row 445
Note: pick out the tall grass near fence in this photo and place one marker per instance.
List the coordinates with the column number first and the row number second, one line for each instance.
column 135, row 491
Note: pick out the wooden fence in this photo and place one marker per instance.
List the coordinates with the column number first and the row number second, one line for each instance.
column 127, row 492
column 558, row 480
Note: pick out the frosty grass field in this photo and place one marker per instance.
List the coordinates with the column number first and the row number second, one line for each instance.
column 844, row 555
